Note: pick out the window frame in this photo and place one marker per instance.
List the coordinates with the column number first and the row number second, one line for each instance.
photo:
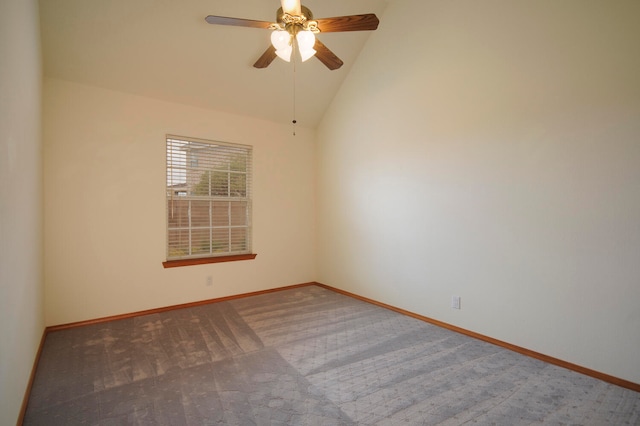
column 183, row 184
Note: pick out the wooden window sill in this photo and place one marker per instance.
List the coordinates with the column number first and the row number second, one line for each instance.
column 205, row 260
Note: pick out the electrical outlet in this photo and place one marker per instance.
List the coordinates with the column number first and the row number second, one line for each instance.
column 209, row 280
column 455, row 302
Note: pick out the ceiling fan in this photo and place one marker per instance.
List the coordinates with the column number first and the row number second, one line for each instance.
column 296, row 28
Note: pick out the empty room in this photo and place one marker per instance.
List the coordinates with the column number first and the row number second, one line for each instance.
column 427, row 214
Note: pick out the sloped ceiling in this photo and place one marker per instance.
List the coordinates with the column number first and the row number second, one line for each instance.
column 164, row 49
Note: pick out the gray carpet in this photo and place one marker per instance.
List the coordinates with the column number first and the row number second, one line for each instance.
column 305, row 356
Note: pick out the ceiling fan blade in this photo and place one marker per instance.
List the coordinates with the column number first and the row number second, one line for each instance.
column 237, row 22
column 267, row 57
column 326, row 56
column 366, row 22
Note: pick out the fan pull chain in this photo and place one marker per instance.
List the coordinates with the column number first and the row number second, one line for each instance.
column 294, row 121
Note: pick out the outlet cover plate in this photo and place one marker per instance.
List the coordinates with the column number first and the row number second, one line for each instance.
column 455, row 302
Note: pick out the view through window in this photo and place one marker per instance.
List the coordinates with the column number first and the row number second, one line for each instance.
column 208, row 198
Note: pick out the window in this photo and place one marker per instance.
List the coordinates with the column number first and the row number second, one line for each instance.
column 208, row 201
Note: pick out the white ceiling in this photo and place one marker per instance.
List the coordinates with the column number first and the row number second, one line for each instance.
column 165, row 49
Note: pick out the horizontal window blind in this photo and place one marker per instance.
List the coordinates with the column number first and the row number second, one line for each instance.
column 208, row 198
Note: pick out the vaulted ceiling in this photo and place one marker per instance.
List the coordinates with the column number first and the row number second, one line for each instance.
column 164, row 49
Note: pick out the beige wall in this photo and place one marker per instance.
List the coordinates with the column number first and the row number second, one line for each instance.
column 105, row 228
column 21, row 289
column 493, row 152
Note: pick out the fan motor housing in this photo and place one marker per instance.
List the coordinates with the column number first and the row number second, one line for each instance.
column 305, row 12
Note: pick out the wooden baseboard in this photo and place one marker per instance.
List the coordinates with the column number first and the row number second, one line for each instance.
column 170, row 308
column 27, row 392
column 542, row 357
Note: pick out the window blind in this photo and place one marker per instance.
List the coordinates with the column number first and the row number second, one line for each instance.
column 208, row 198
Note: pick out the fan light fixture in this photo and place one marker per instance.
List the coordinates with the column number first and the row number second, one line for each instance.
column 306, row 41
column 295, row 27
column 283, row 41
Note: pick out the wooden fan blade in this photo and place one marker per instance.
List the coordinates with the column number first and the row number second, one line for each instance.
column 237, row 22
column 366, row 22
column 326, row 56
column 267, row 57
